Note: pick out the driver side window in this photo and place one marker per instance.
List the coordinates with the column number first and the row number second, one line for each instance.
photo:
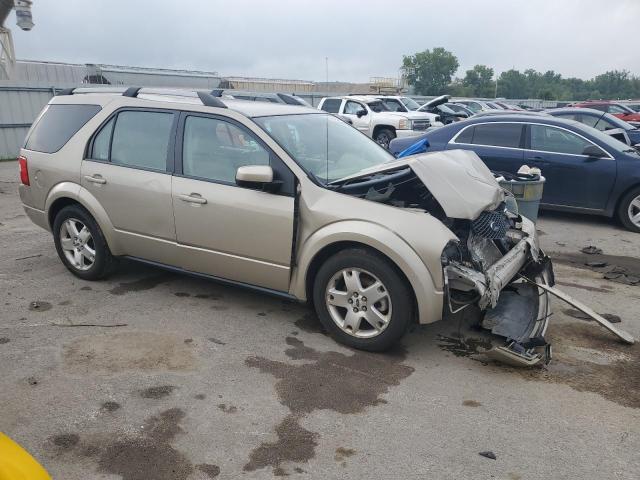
column 352, row 108
column 214, row 149
column 551, row 139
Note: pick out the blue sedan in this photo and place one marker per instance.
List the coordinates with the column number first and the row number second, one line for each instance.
column 586, row 170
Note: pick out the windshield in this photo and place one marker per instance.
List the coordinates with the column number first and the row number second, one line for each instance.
column 324, row 145
column 410, row 103
column 377, row 106
column 617, row 123
column 444, row 109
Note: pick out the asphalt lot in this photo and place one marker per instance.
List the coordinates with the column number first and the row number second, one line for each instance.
column 205, row 381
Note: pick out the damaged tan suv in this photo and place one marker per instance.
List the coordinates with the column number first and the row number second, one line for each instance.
column 288, row 200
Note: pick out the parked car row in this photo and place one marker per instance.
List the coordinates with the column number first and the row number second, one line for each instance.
column 585, row 169
column 381, row 119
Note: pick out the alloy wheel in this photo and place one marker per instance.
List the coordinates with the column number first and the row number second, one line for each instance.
column 634, row 211
column 358, row 302
column 77, row 244
column 383, row 140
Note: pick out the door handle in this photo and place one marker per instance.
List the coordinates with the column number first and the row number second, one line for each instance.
column 193, row 198
column 95, row 179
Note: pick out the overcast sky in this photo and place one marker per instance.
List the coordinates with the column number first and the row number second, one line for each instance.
column 362, row 38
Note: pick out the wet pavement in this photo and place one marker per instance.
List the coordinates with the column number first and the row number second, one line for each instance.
column 154, row 375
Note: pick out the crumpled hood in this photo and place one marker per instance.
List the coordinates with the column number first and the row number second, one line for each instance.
column 460, row 182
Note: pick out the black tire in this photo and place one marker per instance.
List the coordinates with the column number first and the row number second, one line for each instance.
column 396, row 286
column 104, row 262
column 384, row 137
column 623, row 210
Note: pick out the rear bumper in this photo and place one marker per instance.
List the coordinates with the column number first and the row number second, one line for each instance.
column 39, row 217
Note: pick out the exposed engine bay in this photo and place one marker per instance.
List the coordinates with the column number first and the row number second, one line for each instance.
column 495, row 264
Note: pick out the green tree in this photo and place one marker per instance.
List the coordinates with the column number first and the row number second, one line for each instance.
column 512, row 84
column 430, row 72
column 479, row 80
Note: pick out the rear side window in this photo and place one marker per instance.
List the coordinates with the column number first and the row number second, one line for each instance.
column 498, row 135
column 466, row 136
column 57, row 125
column 331, row 105
column 135, row 139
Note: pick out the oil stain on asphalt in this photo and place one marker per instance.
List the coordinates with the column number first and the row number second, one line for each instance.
column 588, row 359
column 334, row 381
column 146, row 283
column 148, row 455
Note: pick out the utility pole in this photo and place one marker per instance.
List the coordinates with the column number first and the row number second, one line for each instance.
column 326, row 74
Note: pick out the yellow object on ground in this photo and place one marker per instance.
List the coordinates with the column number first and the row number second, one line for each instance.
column 17, row 464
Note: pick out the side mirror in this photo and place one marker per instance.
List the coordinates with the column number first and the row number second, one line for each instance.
column 361, row 113
column 593, row 151
column 256, row 176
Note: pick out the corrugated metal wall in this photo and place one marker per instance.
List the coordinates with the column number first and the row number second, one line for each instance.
column 19, row 106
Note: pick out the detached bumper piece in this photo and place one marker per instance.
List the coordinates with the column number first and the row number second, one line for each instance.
column 521, row 316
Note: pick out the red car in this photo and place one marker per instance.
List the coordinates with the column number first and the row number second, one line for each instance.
column 616, row 109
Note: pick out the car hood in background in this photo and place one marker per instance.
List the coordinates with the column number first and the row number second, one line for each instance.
column 436, row 101
column 460, row 182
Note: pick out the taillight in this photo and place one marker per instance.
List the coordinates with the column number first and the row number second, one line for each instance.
column 24, row 171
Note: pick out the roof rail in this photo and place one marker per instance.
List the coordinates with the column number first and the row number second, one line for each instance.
column 210, row 101
column 289, row 99
column 131, row 92
column 207, row 99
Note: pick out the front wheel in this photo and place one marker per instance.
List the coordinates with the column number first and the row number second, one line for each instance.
column 629, row 210
column 362, row 300
column 384, row 137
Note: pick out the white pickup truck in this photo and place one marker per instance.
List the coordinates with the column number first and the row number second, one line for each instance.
column 369, row 115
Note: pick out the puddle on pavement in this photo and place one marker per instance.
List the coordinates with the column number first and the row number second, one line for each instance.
column 137, row 457
column 344, row 383
column 128, row 351
column 294, row 444
column 310, row 323
column 146, row 283
column 158, row 392
column 589, row 359
column 617, row 268
column 342, row 454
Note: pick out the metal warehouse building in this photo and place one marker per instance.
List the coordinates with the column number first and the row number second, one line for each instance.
column 35, row 82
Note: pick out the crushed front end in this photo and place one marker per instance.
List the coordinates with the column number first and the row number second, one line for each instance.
column 490, row 266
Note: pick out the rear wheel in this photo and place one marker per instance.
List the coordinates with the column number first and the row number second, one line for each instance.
column 362, row 300
column 629, row 210
column 80, row 244
column 384, row 136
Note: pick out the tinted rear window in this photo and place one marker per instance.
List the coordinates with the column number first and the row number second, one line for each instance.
column 498, row 134
column 331, row 105
column 57, row 125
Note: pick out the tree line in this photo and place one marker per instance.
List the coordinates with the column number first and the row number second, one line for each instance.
column 431, row 72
